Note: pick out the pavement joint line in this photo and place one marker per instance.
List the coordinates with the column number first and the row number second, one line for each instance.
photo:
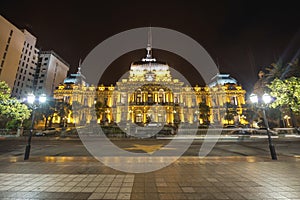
column 63, row 159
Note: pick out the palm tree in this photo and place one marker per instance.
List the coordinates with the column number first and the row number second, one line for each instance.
column 276, row 70
column 282, row 71
column 292, row 69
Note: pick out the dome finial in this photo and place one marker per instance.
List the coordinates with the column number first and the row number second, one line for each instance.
column 79, row 67
column 149, row 45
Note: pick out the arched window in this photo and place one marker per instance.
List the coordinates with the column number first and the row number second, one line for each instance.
column 123, row 98
column 234, row 100
column 161, row 116
column 138, row 96
column 150, row 97
column 161, row 94
column 138, row 116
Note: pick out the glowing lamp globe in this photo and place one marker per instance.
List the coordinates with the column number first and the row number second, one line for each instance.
column 266, row 98
column 30, row 98
column 253, row 98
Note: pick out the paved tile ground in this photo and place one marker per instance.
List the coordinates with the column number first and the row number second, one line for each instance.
column 187, row 178
column 81, row 186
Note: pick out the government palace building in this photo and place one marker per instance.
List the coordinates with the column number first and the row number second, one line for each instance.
column 149, row 94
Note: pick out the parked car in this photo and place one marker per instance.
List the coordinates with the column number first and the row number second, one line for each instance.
column 263, row 131
column 229, row 126
column 240, row 132
column 154, row 124
column 49, row 131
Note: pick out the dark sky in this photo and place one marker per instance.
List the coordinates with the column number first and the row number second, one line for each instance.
column 241, row 36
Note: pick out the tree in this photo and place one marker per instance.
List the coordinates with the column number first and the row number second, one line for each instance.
column 77, row 109
column 292, row 69
column 282, row 71
column 204, row 112
column 230, row 112
column 11, row 108
column 46, row 112
column 63, row 109
column 100, row 110
column 287, row 94
column 250, row 112
column 276, row 70
column 16, row 110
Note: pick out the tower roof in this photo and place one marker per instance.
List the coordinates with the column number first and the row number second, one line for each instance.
column 77, row 78
column 222, row 79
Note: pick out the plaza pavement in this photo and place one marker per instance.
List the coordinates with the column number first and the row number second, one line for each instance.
column 190, row 177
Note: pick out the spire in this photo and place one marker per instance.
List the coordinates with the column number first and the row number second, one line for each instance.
column 79, row 67
column 149, row 45
column 149, row 48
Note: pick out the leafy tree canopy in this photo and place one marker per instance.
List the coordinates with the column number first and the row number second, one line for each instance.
column 286, row 93
column 11, row 107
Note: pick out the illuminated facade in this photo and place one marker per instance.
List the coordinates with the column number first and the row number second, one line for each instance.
column 149, row 94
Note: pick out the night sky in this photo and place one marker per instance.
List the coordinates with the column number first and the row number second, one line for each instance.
column 242, row 37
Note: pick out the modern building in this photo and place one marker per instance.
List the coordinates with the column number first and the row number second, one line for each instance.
column 23, row 67
column 11, row 45
column 51, row 70
column 23, row 84
column 151, row 95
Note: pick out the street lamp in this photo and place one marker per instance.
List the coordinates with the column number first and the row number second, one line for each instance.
column 34, row 104
column 266, row 98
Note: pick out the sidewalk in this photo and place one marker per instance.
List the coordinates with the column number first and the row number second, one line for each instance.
column 236, row 177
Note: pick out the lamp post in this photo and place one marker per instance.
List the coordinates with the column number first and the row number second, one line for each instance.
column 34, row 104
column 266, row 98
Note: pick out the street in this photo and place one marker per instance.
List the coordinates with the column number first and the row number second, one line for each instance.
column 55, row 146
